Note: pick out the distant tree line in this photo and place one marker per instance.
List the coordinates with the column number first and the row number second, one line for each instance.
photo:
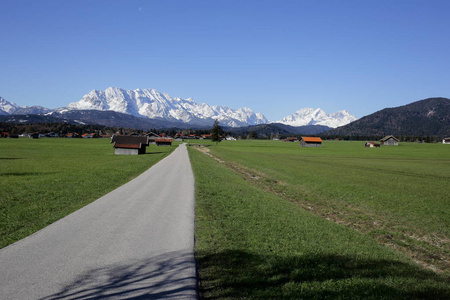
column 65, row 128
column 60, row 128
column 401, row 138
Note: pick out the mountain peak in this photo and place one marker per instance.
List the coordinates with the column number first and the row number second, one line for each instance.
column 153, row 104
column 7, row 107
column 317, row 116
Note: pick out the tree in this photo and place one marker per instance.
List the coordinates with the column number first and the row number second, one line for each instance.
column 216, row 132
column 253, row 135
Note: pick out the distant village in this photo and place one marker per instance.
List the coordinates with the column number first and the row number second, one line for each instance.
column 163, row 135
column 66, row 130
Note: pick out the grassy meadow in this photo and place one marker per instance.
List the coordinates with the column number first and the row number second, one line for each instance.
column 43, row 180
column 274, row 220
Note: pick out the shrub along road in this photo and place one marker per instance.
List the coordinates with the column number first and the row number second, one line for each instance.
column 136, row 241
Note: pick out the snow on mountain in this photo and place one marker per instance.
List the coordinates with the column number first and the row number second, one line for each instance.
column 311, row 116
column 11, row 108
column 6, row 107
column 153, row 104
column 160, row 106
column 31, row 110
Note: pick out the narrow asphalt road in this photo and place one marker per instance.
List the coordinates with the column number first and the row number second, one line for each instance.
column 134, row 243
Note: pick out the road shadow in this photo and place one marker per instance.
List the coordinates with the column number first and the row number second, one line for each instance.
column 168, row 276
column 238, row 274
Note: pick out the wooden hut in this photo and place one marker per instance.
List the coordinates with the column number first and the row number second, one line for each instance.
column 372, row 145
column 152, row 137
column 163, row 142
column 310, row 142
column 89, row 135
column 389, row 140
column 72, row 135
column 129, row 145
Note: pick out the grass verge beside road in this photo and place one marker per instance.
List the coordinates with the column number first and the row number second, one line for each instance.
column 396, row 194
column 44, row 180
column 252, row 243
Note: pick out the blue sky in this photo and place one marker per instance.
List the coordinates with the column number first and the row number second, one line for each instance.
column 274, row 56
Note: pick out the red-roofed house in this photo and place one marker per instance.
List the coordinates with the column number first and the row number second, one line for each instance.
column 310, row 141
column 372, row 145
column 90, row 135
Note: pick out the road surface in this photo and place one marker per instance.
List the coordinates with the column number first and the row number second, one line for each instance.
column 134, row 243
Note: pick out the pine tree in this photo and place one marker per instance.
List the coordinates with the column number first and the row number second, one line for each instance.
column 216, row 132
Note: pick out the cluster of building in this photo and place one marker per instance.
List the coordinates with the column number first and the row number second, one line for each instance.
column 137, row 144
column 125, row 143
column 5, row 134
column 306, row 141
column 192, row 136
column 389, row 140
column 36, row 135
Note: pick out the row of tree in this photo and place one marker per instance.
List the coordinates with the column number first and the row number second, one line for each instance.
column 60, row 128
column 216, row 131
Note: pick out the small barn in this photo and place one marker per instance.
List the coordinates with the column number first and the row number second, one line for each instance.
column 89, row 135
column 129, row 145
column 310, row 142
column 52, row 134
column 152, row 137
column 372, row 145
column 72, row 135
column 389, row 140
column 34, row 135
column 163, row 142
column 446, row 140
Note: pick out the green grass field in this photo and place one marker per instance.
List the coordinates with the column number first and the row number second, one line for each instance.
column 43, row 180
column 278, row 221
column 273, row 220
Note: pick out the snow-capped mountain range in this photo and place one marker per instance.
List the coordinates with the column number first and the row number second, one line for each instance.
column 311, row 116
column 152, row 104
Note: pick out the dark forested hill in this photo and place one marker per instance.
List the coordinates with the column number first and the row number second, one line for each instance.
column 429, row 117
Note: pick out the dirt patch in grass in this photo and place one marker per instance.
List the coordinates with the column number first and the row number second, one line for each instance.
column 204, row 149
column 200, row 147
column 429, row 250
